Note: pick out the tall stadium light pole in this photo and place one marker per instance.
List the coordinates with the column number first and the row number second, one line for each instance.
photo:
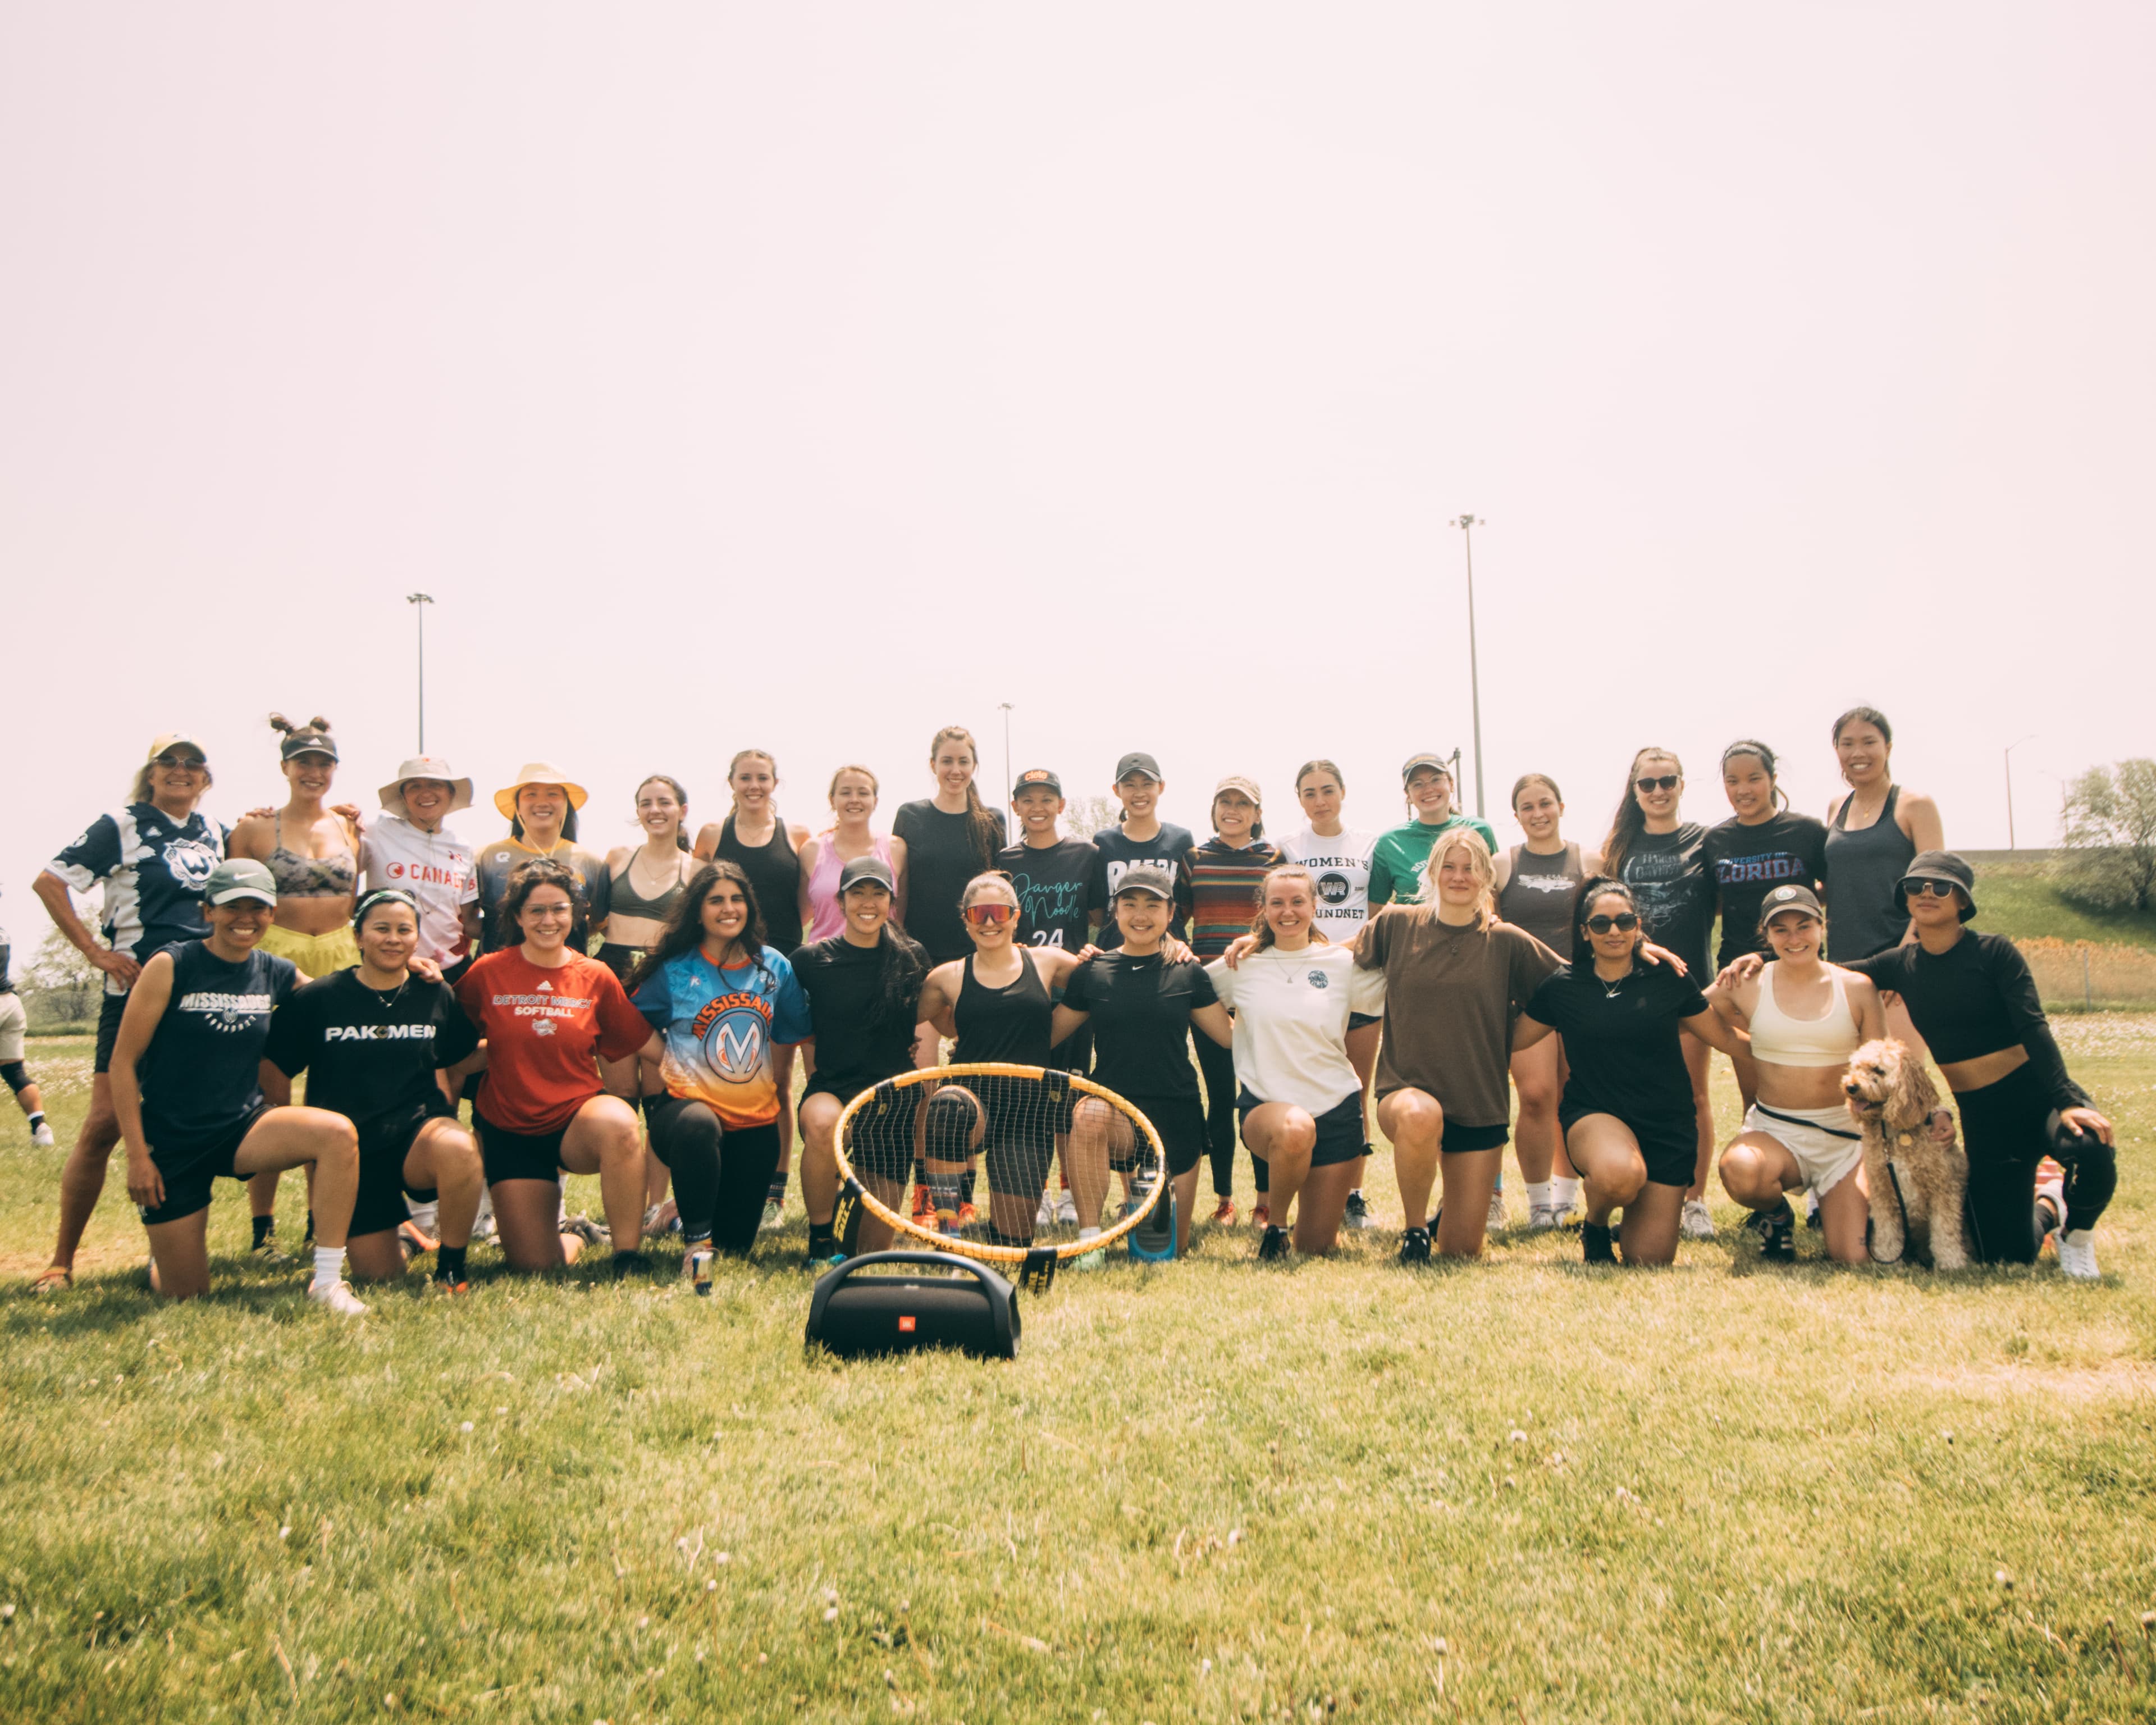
column 2010, row 748
column 419, row 602
column 1009, row 781
column 1467, row 524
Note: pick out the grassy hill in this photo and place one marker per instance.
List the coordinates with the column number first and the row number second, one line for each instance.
column 2017, row 899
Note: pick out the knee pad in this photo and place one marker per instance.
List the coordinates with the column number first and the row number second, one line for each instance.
column 17, row 1074
column 951, row 1116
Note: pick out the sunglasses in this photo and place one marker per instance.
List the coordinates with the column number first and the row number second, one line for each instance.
column 1625, row 921
column 180, row 764
column 990, row 916
column 1929, row 889
column 1667, row 781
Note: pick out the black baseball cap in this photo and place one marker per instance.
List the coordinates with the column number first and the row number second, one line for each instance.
column 1145, row 877
column 1940, row 865
column 1790, row 898
column 1139, row 762
column 1415, row 763
column 871, row 870
column 1037, row 778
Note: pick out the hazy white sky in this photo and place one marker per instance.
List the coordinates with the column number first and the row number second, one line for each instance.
column 811, row 376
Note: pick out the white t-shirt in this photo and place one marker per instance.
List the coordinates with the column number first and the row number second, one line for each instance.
column 435, row 867
column 1342, row 864
column 1292, row 1021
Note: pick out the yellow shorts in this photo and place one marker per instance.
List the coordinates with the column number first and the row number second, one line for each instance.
column 316, row 955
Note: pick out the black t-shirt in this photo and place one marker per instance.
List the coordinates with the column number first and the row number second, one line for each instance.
column 1624, row 1049
column 1140, row 1012
column 1747, row 863
column 1114, row 852
column 940, row 857
column 844, row 986
column 1975, row 999
column 201, row 1075
column 1674, row 893
column 1051, row 882
column 368, row 1055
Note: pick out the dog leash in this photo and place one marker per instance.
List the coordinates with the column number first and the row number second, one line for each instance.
column 1894, row 1175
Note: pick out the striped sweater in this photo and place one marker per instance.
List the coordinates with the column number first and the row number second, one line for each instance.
column 1224, row 884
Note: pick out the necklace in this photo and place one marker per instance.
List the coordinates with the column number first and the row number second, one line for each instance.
column 1609, row 989
column 649, row 896
column 388, row 1003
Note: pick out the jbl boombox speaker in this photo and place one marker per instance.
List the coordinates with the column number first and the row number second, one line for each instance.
column 894, row 1302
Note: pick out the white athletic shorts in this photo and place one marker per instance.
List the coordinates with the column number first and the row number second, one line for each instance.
column 12, row 1025
column 1823, row 1141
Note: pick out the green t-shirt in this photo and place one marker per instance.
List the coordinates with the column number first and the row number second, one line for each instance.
column 1396, row 861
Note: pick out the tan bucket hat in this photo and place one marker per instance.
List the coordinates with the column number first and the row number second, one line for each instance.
column 537, row 772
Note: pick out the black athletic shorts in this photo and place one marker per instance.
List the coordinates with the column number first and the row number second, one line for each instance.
column 190, row 1171
column 1460, row 1140
column 879, row 1136
column 519, row 1156
column 1339, row 1128
column 384, row 1145
column 1670, row 1148
column 1357, row 1020
column 110, row 1011
column 1180, row 1122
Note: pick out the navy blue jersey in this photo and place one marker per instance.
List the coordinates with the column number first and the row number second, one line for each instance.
column 201, row 1075
column 7, row 952
column 152, row 867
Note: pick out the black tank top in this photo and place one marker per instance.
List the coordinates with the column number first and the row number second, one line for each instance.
column 1862, row 869
column 200, row 1075
column 1008, row 1023
column 774, row 876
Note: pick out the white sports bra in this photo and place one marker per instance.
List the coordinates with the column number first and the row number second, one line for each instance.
column 1828, row 1040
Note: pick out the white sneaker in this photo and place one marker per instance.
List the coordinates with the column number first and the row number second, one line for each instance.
column 1496, row 1212
column 1696, row 1224
column 1090, row 1260
column 773, row 1210
column 42, row 1136
column 485, row 1231
column 1541, row 1217
column 696, row 1269
column 338, row 1297
column 1044, row 1217
column 2077, row 1254
column 1066, row 1210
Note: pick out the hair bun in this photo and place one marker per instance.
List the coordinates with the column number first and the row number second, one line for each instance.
column 318, row 723
column 278, row 721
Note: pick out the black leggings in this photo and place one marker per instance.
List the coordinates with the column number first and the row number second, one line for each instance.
column 721, row 1177
column 1218, row 1064
column 2005, row 1128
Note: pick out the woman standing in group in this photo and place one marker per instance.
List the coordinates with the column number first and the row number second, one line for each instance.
column 550, row 1014
column 1338, row 857
column 1453, row 974
column 864, row 990
column 1227, row 877
column 311, row 853
column 768, row 848
column 1627, row 1112
column 150, row 860
column 644, row 882
column 1141, row 1000
column 1398, row 858
column 187, row 1084
column 949, row 839
column 1538, row 884
column 375, row 1042
column 541, row 807
column 1872, row 835
column 727, row 1011
column 1140, row 837
column 854, row 792
column 1300, row 1099
column 407, row 848
column 1661, row 859
column 1806, row 1018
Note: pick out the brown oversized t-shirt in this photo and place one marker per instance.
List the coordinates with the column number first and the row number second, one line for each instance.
column 1451, row 994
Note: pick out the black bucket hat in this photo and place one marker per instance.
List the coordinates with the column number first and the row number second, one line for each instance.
column 1942, row 865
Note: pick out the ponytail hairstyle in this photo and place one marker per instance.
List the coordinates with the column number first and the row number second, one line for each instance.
column 1631, row 820
column 1525, row 779
column 1750, row 746
column 1583, row 949
column 684, row 930
column 901, row 968
column 680, row 795
column 986, row 831
column 875, row 784
column 1264, row 930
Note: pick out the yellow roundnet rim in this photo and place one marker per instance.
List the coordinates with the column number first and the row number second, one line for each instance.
column 977, row 1249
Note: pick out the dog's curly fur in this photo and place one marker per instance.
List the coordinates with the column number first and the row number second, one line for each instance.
column 1894, row 1099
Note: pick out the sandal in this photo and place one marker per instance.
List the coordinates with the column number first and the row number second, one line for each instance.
column 57, row 1279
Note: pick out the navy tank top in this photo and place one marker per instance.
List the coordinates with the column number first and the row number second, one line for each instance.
column 201, row 1073
column 1862, row 868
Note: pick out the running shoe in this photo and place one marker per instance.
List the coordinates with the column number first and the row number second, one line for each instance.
column 416, row 1240
column 1066, row 1210
column 338, row 1297
column 1089, row 1260
column 773, row 1210
column 442, row 1285
column 1358, row 1214
column 2050, row 1205
column 42, row 1135
column 485, row 1230
column 1811, row 1211
column 269, row 1252
column 1541, row 1217
column 1598, row 1242
column 585, row 1228
column 1415, row 1246
column 968, row 1215
column 1223, row 1212
column 1044, row 1217
column 1261, row 1215
column 696, row 1268
column 924, row 1206
column 2077, row 1253
column 1274, row 1246
column 1696, row 1224
column 1778, row 1236
column 1496, row 1222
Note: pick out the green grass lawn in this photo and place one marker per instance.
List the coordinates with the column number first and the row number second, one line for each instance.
column 1518, row 1491
column 2018, row 899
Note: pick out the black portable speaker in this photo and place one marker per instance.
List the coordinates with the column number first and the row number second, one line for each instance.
column 952, row 1302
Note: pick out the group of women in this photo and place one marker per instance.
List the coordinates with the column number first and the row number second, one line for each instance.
column 562, row 992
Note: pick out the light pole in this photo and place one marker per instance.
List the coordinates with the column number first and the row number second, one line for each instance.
column 1467, row 524
column 2010, row 748
column 1009, row 781
column 419, row 602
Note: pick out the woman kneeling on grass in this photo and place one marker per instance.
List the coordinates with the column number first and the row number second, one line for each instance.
column 373, row 1041
column 1806, row 1017
column 1293, row 996
column 1627, row 1108
column 189, row 1083
column 550, row 1014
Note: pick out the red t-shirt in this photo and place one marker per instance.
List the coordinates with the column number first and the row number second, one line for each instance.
column 545, row 1030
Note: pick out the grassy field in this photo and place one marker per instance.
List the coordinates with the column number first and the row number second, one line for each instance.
column 2019, row 899
column 1515, row 1491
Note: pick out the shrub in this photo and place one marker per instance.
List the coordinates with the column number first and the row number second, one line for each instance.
column 2109, row 817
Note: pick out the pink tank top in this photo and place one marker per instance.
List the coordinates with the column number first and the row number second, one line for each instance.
column 825, row 917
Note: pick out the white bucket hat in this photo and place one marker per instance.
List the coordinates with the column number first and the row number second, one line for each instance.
column 427, row 767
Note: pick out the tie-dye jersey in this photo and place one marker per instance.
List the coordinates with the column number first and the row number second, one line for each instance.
column 719, row 1027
